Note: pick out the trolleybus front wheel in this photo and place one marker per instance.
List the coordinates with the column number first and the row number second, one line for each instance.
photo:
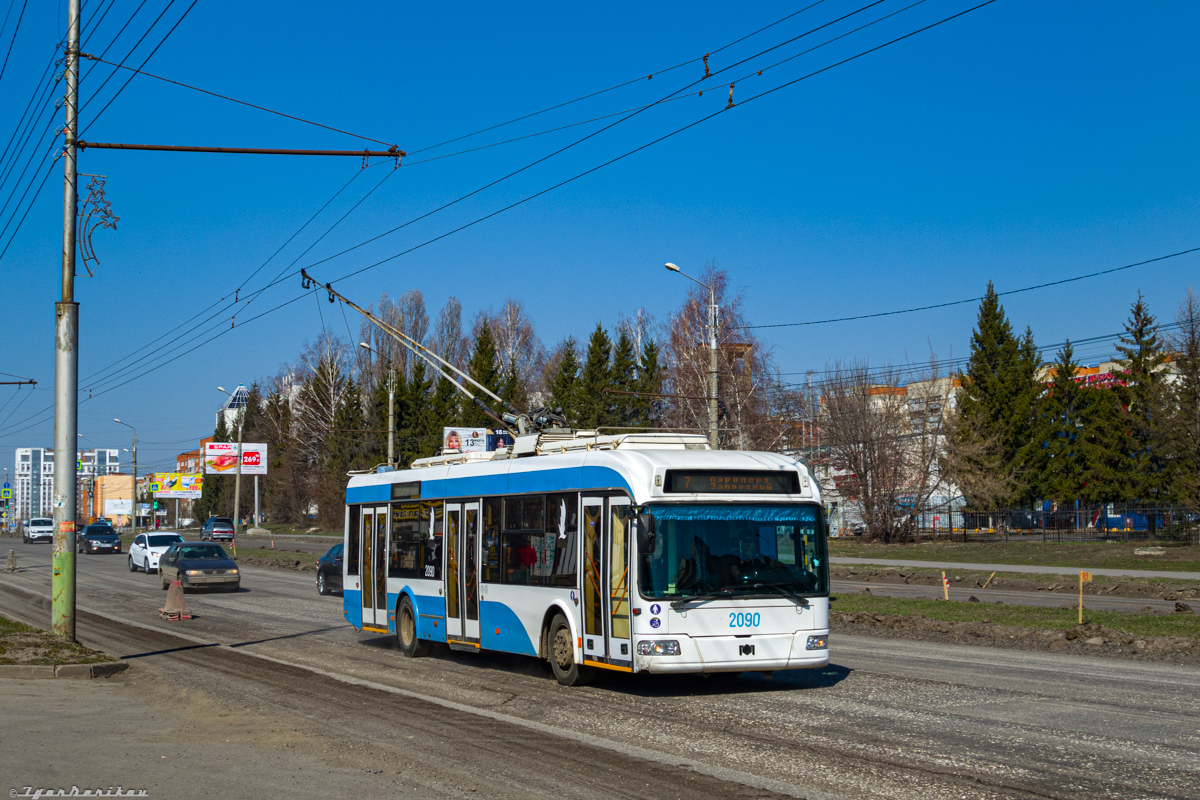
column 406, row 630
column 562, row 655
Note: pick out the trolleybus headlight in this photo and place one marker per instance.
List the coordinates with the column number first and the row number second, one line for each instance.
column 662, row 647
column 817, row 643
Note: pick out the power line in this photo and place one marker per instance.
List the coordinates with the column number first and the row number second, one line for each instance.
column 580, row 175
column 975, row 299
column 240, row 102
column 16, row 30
column 144, row 62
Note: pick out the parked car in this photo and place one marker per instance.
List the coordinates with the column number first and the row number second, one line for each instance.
column 196, row 564
column 99, row 537
column 38, row 529
column 217, row 529
column 147, row 549
column 329, row 570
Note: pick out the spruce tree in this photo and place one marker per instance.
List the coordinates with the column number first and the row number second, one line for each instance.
column 594, row 379
column 483, row 367
column 622, row 408
column 1058, row 464
column 1183, row 429
column 996, row 405
column 564, row 385
column 1143, row 397
column 649, row 382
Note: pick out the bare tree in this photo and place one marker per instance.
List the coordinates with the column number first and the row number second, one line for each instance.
column 518, row 348
column 884, row 441
column 323, row 380
column 448, row 339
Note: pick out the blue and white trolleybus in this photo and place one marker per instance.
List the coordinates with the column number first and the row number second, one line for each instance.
column 636, row 553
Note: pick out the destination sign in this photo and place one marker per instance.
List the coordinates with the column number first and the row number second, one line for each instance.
column 731, row 481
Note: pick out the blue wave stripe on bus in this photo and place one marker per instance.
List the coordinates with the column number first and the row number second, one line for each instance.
column 352, row 603
column 511, row 638
column 542, row 480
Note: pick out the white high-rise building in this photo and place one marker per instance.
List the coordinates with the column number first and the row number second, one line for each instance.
column 33, row 488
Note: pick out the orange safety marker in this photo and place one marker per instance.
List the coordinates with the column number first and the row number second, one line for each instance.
column 945, row 586
column 1084, row 577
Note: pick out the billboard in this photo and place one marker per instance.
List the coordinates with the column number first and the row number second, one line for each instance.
column 180, row 485
column 473, row 440
column 113, row 508
column 220, row 458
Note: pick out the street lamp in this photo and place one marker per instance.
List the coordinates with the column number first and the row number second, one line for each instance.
column 391, row 405
column 237, row 481
column 712, row 354
column 133, row 492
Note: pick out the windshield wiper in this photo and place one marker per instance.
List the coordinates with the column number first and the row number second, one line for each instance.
column 712, row 594
column 780, row 588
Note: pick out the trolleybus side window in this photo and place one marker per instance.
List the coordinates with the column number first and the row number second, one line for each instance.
column 408, row 555
column 537, row 541
column 490, row 568
column 352, row 546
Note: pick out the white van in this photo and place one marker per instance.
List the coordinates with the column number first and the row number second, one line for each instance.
column 38, row 529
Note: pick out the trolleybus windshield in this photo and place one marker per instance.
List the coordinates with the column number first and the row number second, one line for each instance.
column 735, row 550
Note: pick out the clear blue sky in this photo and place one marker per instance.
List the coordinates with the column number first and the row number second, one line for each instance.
column 1024, row 142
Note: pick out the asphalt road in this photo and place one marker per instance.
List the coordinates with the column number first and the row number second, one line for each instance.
column 1021, row 598
column 1026, row 568
column 888, row 719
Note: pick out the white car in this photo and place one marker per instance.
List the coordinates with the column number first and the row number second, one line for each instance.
column 38, row 529
column 147, row 548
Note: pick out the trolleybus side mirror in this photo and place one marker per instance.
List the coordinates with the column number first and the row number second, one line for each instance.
column 645, row 532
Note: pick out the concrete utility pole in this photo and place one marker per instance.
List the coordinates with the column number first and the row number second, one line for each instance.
column 66, row 362
column 713, row 438
column 133, row 508
column 391, row 417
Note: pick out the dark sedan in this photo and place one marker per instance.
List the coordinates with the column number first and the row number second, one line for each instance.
column 98, row 538
column 329, row 571
column 199, row 564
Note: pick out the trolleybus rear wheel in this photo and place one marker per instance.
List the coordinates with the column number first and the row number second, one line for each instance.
column 406, row 630
column 562, row 655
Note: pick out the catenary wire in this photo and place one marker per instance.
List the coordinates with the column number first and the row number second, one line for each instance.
column 144, row 62
column 765, row 93
column 16, row 30
column 976, row 299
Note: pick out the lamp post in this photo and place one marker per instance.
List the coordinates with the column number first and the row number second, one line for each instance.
column 391, row 406
column 133, row 493
column 237, row 481
column 712, row 354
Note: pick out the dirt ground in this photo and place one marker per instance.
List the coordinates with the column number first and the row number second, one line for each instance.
column 1087, row 639
column 23, row 644
column 1101, row 585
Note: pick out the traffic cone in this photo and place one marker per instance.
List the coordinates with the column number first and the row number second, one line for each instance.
column 174, row 609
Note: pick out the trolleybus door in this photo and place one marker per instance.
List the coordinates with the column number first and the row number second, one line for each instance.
column 593, row 572
column 461, row 576
column 618, row 543
column 373, row 566
column 607, row 536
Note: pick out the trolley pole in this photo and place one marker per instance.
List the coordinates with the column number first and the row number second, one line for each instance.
column 66, row 363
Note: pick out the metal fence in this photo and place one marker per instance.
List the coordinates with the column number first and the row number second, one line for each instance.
column 1063, row 522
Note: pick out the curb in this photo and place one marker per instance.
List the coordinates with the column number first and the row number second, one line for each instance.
column 32, row 671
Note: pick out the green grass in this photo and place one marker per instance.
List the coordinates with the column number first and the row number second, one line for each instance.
column 1098, row 555
column 1187, row 625
column 24, row 644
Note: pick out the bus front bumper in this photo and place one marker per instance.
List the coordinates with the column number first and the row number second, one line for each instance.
column 753, row 653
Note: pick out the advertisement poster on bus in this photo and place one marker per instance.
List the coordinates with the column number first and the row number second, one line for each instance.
column 474, row 440
column 220, row 458
column 178, row 485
